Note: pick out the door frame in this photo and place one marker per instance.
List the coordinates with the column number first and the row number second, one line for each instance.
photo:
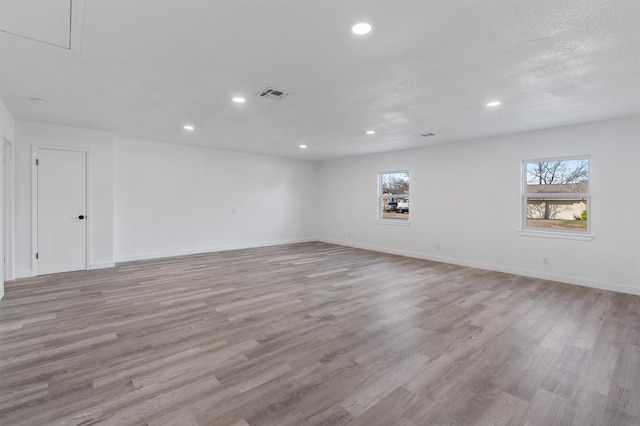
column 34, row 202
column 8, row 206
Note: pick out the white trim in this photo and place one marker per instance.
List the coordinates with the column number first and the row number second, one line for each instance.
column 173, row 253
column 24, row 274
column 103, row 265
column 77, row 20
column 89, row 212
column 530, row 232
column 560, row 158
column 620, row 288
column 386, row 221
column 34, row 210
column 394, row 222
column 524, row 198
column 34, row 202
column 9, row 206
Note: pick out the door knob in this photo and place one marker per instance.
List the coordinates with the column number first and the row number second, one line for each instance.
column 81, row 217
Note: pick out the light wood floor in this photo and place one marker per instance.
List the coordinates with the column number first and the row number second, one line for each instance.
column 314, row 334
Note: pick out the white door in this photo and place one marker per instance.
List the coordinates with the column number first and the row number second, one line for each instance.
column 61, row 210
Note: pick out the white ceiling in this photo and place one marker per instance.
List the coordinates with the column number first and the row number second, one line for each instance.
column 144, row 68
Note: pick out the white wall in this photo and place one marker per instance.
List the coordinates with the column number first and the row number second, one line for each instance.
column 151, row 199
column 7, row 129
column 100, row 147
column 174, row 199
column 465, row 197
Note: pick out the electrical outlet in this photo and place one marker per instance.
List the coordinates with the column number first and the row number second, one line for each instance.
column 545, row 260
column 438, row 247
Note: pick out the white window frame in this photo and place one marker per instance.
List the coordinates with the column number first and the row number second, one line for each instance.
column 385, row 220
column 554, row 233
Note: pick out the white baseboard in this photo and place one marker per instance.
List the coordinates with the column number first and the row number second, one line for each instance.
column 102, row 265
column 24, row 274
column 31, row 274
column 160, row 255
column 620, row 288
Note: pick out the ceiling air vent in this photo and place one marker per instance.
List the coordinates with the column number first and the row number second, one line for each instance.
column 427, row 135
column 272, row 93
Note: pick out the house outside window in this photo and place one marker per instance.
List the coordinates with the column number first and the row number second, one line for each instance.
column 556, row 195
column 393, row 196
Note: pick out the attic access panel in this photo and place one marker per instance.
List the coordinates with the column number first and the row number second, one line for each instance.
column 45, row 21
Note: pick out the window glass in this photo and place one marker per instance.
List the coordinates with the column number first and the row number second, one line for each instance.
column 556, row 195
column 393, row 196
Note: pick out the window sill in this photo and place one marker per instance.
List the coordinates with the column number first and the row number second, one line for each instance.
column 558, row 235
column 395, row 222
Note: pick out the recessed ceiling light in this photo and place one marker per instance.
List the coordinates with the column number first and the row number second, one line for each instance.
column 361, row 28
column 370, row 132
column 238, row 100
column 188, row 127
column 493, row 104
column 303, row 146
column 38, row 101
